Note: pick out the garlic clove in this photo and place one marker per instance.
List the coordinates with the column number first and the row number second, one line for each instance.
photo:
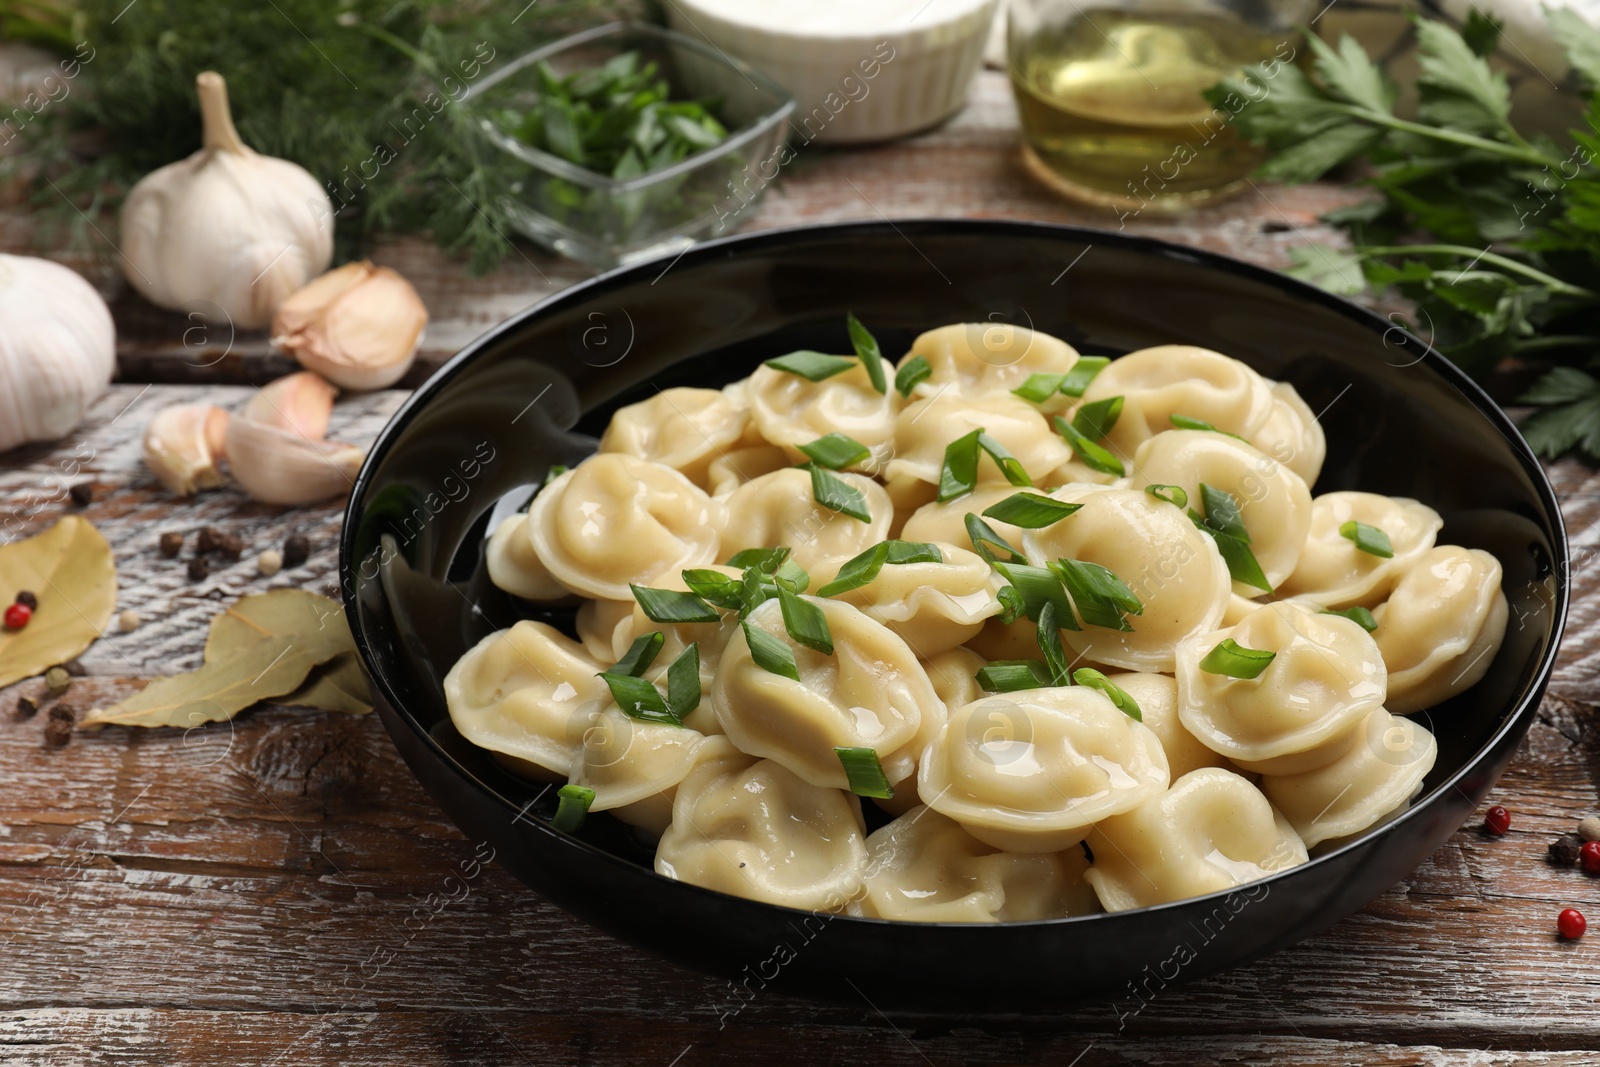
column 358, row 326
column 181, row 447
column 278, row 466
column 301, row 403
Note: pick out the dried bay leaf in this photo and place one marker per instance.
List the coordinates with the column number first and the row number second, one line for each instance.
column 262, row 647
column 70, row 568
column 338, row 685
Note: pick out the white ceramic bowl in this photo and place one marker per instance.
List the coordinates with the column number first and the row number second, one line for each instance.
column 860, row 70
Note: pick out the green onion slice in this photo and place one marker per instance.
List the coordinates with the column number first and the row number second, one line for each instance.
column 1242, row 563
column 982, row 535
column 670, row 605
column 572, row 804
column 1038, row 586
column 835, row 494
column 683, row 683
column 1368, row 539
column 1234, row 660
column 768, row 559
column 812, row 366
column 552, row 474
column 958, row 475
column 1225, row 523
column 867, row 351
column 1030, row 510
column 1049, row 637
column 714, row 587
column 1094, row 456
column 860, row 570
column 912, row 373
column 769, row 653
column 1009, row 465
column 638, row 699
column 836, row 451
column 1012, row 605
column 1222, row 512
column 1040, row 387
column 1013, row 675
column 805, row 622
column 1093, row 679
column 1082, row 373
column 1176, row 495
column 1095, row 420
column 1099, row 595
column 640, row 654
column 865, row 772
column 1184, row 422
column 1358, row 615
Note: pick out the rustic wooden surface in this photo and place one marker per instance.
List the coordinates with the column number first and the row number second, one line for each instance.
column 279, row 890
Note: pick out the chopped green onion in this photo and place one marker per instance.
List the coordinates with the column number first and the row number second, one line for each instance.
column 861, row 569
column 1030, row 510
column 552, row 474
column 1368, row 539
column 1225, row 523
column 1038, row 586
column 912, row 373
column 669, row 605
column 1222, row 512
column 867, row 350
column 1184, row 422
column 640, row 654
column 638, row 699
column 769, row 653
column 683, row 683
column 959, row 474
column 1358, row 615
column 1009, row 465
column 1098, row 594
column 714, row 587
column 1093, row 455
column 812, row 366
column 572, row 804
column 835, row 494
column 1012, row 675
column 902, row 552
column 865, row 772
column 768, row 559
column 1172, row 494
column 1040, row 387
column 1242, row 563
column 1012, row 605
column 1095, row 420
column 1082, row 373
column 756, row 587
column 836, row 451
column 1049, row 638
column 1234, row 660
column 1093, row 679
column 805, row 622
column 792, row 576
column 982, row 534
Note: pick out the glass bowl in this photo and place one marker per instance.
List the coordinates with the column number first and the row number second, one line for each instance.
column 603, row 221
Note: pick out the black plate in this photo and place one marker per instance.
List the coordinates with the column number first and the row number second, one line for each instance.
column 536, row 391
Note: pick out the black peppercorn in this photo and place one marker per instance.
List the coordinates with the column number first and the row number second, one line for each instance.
column 28, row 600
column 27, row 708
column 209, row 539
column 57, row 732
column 296, row 550
column 1564, row 850
column 198, row 569
column 231, row 546
column 63, row 713
column 82, row 494
column 171, row 544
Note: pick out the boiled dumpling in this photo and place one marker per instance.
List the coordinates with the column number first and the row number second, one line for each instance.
column 685, row 429
column 754, row 829
column 927, row 427
column 1441, row 627
column 777, row 511
column 1292, row 435
column 1032, row 771
column 1380, row 773
column 624, row 627
column 528, row 693
column 1212, row 831
column 954, row 675
column 614, row 519
column 932, row 606
column 1273, row 500
column 978, row 358
column 734, row 468
column 634, row 767
column 515, row 567
column 790, row 410
column 1157, row 697
column 1325, row 677
column 871, row 693
column 597, row 623
column 948, row 521
column 923, row 867
column 1158, row 383
column 1173, row 568
column 1335, row 573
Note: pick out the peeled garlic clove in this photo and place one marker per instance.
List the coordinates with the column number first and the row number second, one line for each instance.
column 182, row 444
column 301, row 403
column 358, row 326
column 57, row 349
column 279, row 466
column 226, row 233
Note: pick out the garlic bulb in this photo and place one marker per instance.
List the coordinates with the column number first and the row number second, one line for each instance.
column 226, row 233
column 358, row 326
column 276, row 448
column 58, row 349
column 182, row 445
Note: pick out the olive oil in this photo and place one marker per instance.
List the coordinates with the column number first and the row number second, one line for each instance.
column 1111, row 107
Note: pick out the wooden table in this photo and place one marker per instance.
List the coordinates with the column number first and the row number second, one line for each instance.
column 279, row 890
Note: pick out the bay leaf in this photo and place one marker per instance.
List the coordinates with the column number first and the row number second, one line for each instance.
column 282, row 611
column 338, row 685
column 70, row 569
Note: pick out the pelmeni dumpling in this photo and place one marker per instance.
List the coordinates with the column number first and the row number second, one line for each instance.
column 756, row 830
column 1157, row 697
column 1015, row 640
column 777, row 510
column 790, row 410
column 1273, row 500
column 926, row 427
column 871, row 693
column 1292, row 435
column 515, row 567
column 1158, row 383
column 1333, row 572
column 948, row 521
column 634, row 767
column 954, row 675
column 1378, row 776
column 681, row 428
column 978, row 358
column 923, row 867
column 1441, row 627
column 628, row 627
column 528, row 693
column 1326, row 676
column 932, row 606
column 597, row 622
column 1032, row 771
column 1212, row 831
column 734, row 468
column 614, row 519
column 1173, row 568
